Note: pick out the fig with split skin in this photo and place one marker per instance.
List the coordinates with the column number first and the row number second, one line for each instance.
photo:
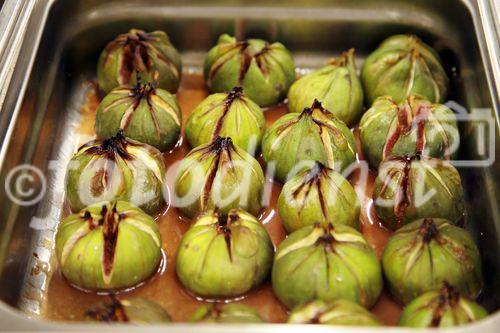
column 218, row 175
column 135, row 310
column 143, row 112
column 413, row 186
column 231, row 313
column 224, row 255
column 326, row 263
column 264, row 70
column 150, row 54
column 339, row 312
column 413, row 126
column 318, row 195
column 336, row 85
column 403, row 65
column 107, row 246
column 230, row 114
column 420, row 256
column 297, row 140
column 441, row 308
column 116, row 168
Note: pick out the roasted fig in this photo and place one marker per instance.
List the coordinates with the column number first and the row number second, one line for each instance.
column 318, row 195
column 441, row 308
column 218, row 175
column 336, row 85
column 134, row 310
column 420, row 256
column 116, row 168
column 413, row 186
column 108, row 245
column 150, row 54
column 224, row 255
column 404, row 65
column 326, row 263
column 339, row 312
column 296, row 141
column 265, row 71
column 144, row 113
column 230, row 115
column 414, row 126
column 226, row 313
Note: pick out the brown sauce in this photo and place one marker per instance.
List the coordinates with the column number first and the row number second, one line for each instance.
column 65, row 302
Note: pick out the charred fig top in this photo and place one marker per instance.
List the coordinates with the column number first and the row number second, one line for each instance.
column 111, row 147
column 235, row 93
column 428, row 230
column 316, row 105
column 219, row 145
column 342, row 60
column 111, row 311
column 143, row 89
column 317, row 170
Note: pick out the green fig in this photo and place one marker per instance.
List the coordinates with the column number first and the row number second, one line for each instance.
column 265, row 71
column 229, row 115
column 403, row 65
column 339, row 312
column 116, row 168
column 227, row 313
column 441, row 308
column 326, row 263
column 108, row 245
column 144, row 113
column 336, row 86
column 133, row 310
column 218, row 175
column 224, row 255
column 420, row 256
column 415, row 125
column 318, row 195
column 297, row 140
column 412, row 186
column 149, row 54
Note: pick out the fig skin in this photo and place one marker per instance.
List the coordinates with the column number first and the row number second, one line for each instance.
column 264, row 70
column 218, row 175
column 108, row 246
column 224, row 255
column 411, row 187
column 415, row 126
column 116, row 168
column 231, row 115
column 143, row 112
column 296, row 141
column 441, row 308
column 226, row 313
column 326, row 263
column 403, row 65
column 339, row 312
column 424, row 254
column 135, row 310
column 335, row 85
column 151, row 55
column 319, row 195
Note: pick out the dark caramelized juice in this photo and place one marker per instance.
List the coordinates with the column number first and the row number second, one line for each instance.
column 65, row 302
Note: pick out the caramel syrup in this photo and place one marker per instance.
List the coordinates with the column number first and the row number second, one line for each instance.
column 66, row 303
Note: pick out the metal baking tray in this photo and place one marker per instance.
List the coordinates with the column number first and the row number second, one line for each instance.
column 48, row 54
